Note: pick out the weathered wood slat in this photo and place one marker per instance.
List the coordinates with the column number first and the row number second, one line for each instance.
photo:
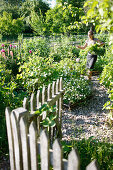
column 60, row 84
column 43, row 100
column 44, row 151
column 25, row 103
column 53, row 88
column 10, row 138
column 17, row 146
column 24, row 142
column 33, row 146
column 57, row 156
column 73, row 160
column 49, row 95
column 92, row 166
column 32, row 103
column 38, row 99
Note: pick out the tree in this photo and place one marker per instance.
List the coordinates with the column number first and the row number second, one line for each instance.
column 13, row 2
column 35, row 5
column 36, row 8
column 10, row 26
column 37, row 23
column 100, row 14
column 63, row 19
column 77, row 3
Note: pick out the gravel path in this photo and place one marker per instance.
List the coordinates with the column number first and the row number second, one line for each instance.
column 90, row 119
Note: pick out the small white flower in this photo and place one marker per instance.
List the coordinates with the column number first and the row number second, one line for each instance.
column 77, row 60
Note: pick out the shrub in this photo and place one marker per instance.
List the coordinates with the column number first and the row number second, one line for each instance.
column 10, row 26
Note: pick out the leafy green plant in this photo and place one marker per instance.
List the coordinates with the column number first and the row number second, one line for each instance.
column 50, row 119
column 90, row 149
column 94, row 49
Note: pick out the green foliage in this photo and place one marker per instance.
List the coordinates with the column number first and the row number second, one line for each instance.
column 34, row 15
column 10, row 26
column 90, row 149
column 63, row 19
column 60, row 60
column 42, row 61
column 77, row 3
column 63, row 48
column 11, row 95
column 38, row 45
column 94, row 49
column 106, row 79
column 107, row 75
column 37, row 6
column 76, row 89
column 100, row 14
column 37, row 23
column 50, row 120
column 10, row 8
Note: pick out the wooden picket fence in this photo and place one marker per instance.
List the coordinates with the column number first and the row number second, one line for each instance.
column 51, row 95
column 29, row 152
column 29, row 144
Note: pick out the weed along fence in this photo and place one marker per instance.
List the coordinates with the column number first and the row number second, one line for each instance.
column 29, row 142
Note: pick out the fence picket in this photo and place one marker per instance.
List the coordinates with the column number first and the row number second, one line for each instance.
column 33, row 145
column 57, row 156
column 60, row 84
column 24, row 142
column 16, row 136
column 43, row 95
column 53, row 88
column 73, row 160
column 92, row 166
column 10, row 138
column 32, row 103
column 49, row 92
column 38, row 99
column 43, row 100
column 44, row 151
column 25, row 103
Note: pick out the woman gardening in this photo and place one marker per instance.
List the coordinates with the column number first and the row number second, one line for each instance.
column 92, row 44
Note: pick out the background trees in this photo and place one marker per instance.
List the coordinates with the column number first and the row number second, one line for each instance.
column 63, row 19
column 38, row 17
column 9, row 26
